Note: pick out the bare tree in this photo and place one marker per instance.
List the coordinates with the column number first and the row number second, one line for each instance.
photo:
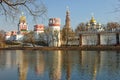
column 80, row 27
column 113, row 26
column 67, row 33
column 29, row 38
column 11, row 8
column 2, row 38
column 56, row 35
column 48, row 34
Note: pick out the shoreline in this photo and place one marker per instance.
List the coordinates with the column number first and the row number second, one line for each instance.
column 65, row 48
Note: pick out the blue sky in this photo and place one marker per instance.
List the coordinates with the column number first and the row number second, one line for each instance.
column 80, row 11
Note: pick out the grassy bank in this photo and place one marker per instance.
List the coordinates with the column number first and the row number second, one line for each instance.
column 65, row 48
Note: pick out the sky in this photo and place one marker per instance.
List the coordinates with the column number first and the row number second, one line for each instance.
column 80, row 11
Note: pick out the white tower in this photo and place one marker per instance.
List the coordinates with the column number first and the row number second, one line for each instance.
column 38, row 29
column 54, row 27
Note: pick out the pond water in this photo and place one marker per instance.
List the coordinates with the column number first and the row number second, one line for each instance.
column 59, row 65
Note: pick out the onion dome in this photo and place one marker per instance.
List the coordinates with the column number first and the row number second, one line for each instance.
column 88, row 24
column 23, row 19
column 92, row 20
column 98, row 24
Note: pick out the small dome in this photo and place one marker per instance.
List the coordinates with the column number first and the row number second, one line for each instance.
column 88, row 24
column 92, row 20
column 22, row 19
column 98, row 24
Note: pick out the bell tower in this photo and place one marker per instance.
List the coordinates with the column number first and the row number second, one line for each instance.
column 67, row 20
column 22, row 26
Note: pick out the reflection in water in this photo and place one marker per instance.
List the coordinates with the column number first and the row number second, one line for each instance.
column 90, row 60
column 61, row 65
column 22, row 65
column 40, row 64
column 109, row 65
column 67, row 60
column 56, row 66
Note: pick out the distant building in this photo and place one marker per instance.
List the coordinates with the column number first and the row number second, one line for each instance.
column 92, row 25
column 96, row 35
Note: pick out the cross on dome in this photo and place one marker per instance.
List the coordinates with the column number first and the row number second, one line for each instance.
column 92, row 14
column 22, row 13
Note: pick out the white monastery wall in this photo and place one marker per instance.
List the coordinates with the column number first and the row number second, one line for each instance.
column 108, row 39
column 89, row 39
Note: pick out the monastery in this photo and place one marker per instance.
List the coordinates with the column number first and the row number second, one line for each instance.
column 93, row 35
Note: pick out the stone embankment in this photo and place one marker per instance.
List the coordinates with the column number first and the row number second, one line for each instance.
column 65, row 48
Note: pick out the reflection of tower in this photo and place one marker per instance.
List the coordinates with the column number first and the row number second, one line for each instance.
column 11, row 59
column 55, row 73
column 96, row 65
column 22, row 28
column 40, row 64
column 22, row 66
column 68, row 66
column 54, row 26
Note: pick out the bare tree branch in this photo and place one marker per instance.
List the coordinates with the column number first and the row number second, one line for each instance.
column 13, row 8
column 14, row 4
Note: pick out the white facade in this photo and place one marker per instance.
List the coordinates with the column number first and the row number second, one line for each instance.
column 108, row 39
column 89, row 39
column 19, row 37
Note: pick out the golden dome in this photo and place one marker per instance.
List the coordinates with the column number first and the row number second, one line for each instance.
column 92, row 20
column 22, row 19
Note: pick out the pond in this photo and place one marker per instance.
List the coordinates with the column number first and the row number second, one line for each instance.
column 59, row 65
